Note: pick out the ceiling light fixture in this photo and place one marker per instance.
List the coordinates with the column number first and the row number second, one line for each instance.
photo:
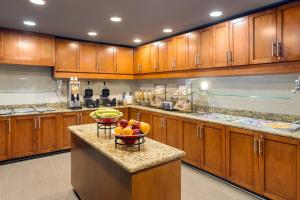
column 38, row 2
column 116, row 19
column 137, row 40
column 92, row 33
column 167, row 30
column 216, row 13
column 29, row 23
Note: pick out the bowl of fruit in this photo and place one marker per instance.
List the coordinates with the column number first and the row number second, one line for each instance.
column 130, row 131
column 106, row 115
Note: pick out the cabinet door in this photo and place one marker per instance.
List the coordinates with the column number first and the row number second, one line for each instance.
column 239, row 41
column 170, row 54
column 191, row 143
column 220, row 44
column 279, row 167
column 180, row 52
column 10, row 45
column 174, row 132
column 263, row 37
column 5, row 139
column 154, row 59
column 24, row 136
column 1, row 44
column 288, row 28
column 30, row 47
column 133, row 114
column 106, row 59
column 158, row 129
column 242, row 158
column 88, row 57
column 145, row 67
column 192, row 50
column 47, row 56
column 48, row 133
column 161, row 56
column 124, row 62
column 205, row 47
column 67, row 119
column 137, row 60
column 85, row 118
column 125, row 112
column 67, row 55
column 213, row 148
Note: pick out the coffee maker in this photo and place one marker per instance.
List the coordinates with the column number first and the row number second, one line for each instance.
column 88, row 98
column 74, row 93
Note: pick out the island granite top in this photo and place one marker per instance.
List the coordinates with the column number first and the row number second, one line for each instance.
column 152, row 153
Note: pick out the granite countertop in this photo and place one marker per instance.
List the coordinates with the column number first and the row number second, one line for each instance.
column 152, row 153
column 235, row 123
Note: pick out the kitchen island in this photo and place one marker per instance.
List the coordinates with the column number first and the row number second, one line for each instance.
column 100, row 171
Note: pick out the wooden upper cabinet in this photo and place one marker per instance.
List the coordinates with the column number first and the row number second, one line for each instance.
column 161, row 56
column 1, row 44
column 88, row 57
column 67, row 55
column 221, row 45
column 180, row 53
column 279, row 167
column 242, row 158
column 239, row 41
column 154, row 57
column 124, row 60
column 106, row 55
column 48, row 133
column 262, row 34
column 288, row 32
column 24, row 136
column 5, row 138
column 137, row 60
column 205, row 48
column 192, row 50
column 10, row 45
column 47, row 54
column 170, row 54
column 30, row 46
column 145, row 65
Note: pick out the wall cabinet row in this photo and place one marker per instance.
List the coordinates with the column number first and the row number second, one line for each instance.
column 73, row 56
column 265, row 37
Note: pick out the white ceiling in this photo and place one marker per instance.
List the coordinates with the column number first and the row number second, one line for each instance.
column 144, row 19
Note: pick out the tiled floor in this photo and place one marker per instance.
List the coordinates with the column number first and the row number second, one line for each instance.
column 48, row 178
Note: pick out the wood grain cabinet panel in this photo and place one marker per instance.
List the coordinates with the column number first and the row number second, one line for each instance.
column 180, row 53
column 205, row 48
column 170, row 54
column 220, row 45
column 158, row 128
column 48, row 133
column 24, row 136
column 154, row 57
column 106, row 55
column 288, row 28
column 192, row 143
column 5, row 138
column 11, row 45
column 212, row 148
column 137, row 60
column 47, row 55
column 239, row 41
column 161, row 56
column 1, row 44
column 124, row 60
column 88, row 57
column 30, row 46
column 85, row 118
column 263, row 37
column 145, row 66
column 192, row 50
column 242, row 158
column 66, row 120
column 67, row 55
column 174, row 132
column 125, row 112
column 279, row 167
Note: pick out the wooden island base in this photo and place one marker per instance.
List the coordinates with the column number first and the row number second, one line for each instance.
column 95, row 177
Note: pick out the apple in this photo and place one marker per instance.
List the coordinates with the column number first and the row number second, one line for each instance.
column 123, row 123
column 136, row 125
column 136, row 131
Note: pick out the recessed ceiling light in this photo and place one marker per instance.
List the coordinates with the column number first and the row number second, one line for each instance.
column 116, row 19
column 167, row 30
column 29, row 23
column 38, row 2
column 137, row 40
column 216, row 13
column 92, row 33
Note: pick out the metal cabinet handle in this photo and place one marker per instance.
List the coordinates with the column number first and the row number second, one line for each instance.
column 164, row 122
column 227, row 57
column 278, row 45
column 39, row 119
column 255, row 145
column 78, row 119
column 201, row 131
column 197, row 133
column 138, row 115
column 260, row 145
column 174, row 63
column 9, row 125
column 35, row 124
column 273, row 49
column 198, row 59
column 230, row 57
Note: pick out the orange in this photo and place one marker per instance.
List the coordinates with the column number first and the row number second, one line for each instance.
column 131, row 122
column 145, row 128
column 128, row 131
column 119, row 130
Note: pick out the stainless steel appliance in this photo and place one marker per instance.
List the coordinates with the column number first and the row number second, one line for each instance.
column 88, row 98
column 74, row 93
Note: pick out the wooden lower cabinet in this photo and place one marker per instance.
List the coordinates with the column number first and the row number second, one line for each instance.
column 125, row 112
column 66, row 120
column 24, row 136
column 85, row 118
column 191, row 143
column 174, row 132
column 48, row 133
column 5, row 138
column 279, row 164
column 212, row 148
column 158, row 128
column 242, row 158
